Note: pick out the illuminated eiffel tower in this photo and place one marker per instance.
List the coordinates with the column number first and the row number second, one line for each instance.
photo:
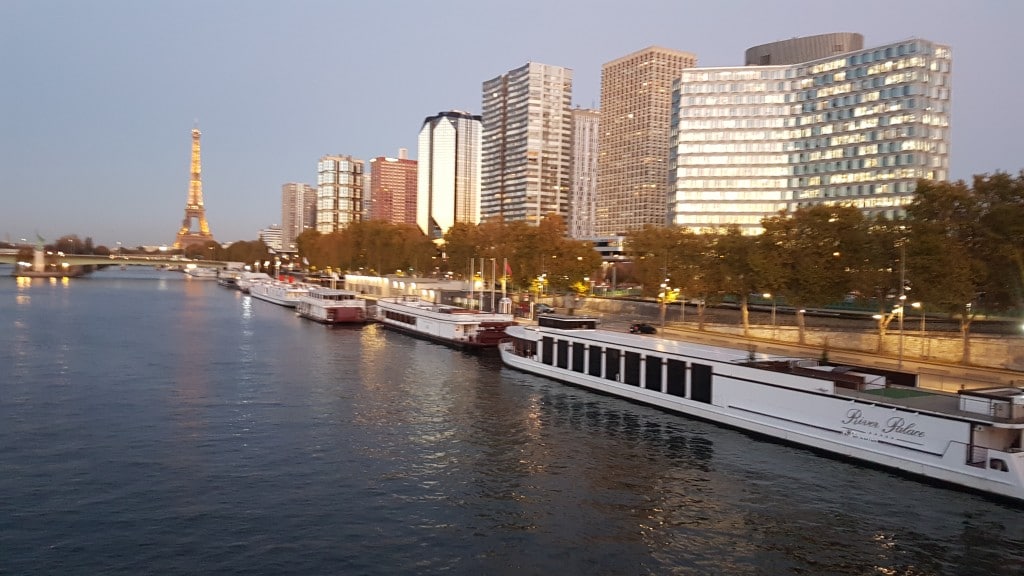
column 194, row 209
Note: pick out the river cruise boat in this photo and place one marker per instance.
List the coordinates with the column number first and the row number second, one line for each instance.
column 972, row 439
column 247, row 279
column 451, row 325
column 276, row 292
column 329, row 306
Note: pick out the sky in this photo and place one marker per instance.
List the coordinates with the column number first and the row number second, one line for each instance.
column 98, row 99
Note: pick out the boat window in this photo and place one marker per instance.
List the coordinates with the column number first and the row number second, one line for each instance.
column 611, row 364
column 594, row 364
column 632, row 375
column 997, row 464
column 701, row 386
column 563, row 354
column 577, row 356
column 652, row 380
column 676, row 378
column 546, row 355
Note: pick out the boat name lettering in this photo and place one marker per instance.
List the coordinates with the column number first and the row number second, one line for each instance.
column 900, row 426
column 894, row 425
column 856, row 417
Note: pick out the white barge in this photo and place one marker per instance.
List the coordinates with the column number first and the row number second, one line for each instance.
column 277, row 292
column 451, row 325
column 330, row 306
column 973, row 439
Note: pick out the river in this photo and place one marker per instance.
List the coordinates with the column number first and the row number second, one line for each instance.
column 153, row 423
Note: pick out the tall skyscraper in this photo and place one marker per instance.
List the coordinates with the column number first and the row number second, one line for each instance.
column 448, row 173
column 858, row 128
column 298, row 212
column 339, row 193
column 632, row 170
column 393, row 189
column 527, row 144
column 582, row 206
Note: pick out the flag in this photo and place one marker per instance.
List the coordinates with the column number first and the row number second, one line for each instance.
column 508, row 269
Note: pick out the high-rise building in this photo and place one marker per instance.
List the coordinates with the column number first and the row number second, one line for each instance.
column 448, row 172
column 804, row 49
column 271, row 237
column 393, row 189
column 298, row 213
column 632, row 169
column 858, row 128
column 582, row 204
column 339, row 193
column 527, row 144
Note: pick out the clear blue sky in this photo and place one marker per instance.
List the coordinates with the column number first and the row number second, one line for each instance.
column 98, row 98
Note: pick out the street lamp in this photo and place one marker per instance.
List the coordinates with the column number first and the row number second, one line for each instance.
column 663, row 296
column 899, row 310
column 920, row 308
column 767, row 295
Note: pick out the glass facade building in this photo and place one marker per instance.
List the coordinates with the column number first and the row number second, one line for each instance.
column 858, row 129
column 339, row 193
column 527, row 144
column 448, row 172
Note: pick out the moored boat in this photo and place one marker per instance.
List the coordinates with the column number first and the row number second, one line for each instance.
column 330, row 306
column 973, row 439
column 247, row 279
column 201, row 273
column 277, row 292
column 451, row 325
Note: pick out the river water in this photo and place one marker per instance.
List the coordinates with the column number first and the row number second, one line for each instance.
column 151, row 423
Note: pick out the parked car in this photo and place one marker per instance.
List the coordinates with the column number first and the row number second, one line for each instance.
column 541, row 308
column 642, row 328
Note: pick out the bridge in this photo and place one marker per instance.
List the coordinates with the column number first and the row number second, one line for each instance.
column 59, row 258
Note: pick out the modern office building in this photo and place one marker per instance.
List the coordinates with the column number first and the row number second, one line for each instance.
column 636, row 101
column 339, row 193
column 298, row 213
column 393, row 185
column 583, row 198
column 271, row 237
column 448, row 172
column 527, row 144
column 804, row 49
column 859, row 129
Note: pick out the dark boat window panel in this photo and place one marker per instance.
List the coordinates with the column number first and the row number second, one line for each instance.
column 632, row 375
column 563, row 354
column 546, row 355
column 701, row 385
column 567, row 322
column 611, row 364
column 652, row 380
column 676, row 378
column 594, row 368
column 577, row 356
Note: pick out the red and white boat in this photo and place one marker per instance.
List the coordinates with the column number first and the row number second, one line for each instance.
column 451, row 325
column 329, row 306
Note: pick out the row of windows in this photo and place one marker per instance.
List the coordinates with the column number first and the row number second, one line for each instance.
column 652, row 372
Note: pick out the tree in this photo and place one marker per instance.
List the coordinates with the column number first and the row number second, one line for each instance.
column 730, row 268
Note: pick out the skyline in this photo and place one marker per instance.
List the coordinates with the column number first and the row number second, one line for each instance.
column 109, row 93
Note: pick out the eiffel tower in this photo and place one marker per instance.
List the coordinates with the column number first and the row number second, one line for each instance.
column 194, row 208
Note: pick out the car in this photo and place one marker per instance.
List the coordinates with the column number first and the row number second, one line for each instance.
column 541, row 308
column 642, row 328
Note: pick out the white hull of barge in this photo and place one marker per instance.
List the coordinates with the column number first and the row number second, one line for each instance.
column 790, row 408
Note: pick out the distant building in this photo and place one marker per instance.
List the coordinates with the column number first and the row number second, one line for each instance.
column 636, row 99
column 448, row 172
column 393, row 189
column 271, row 236
column 858, row 128
column 527, row 144
column 804, row 49
column 339, row 193
column 298, row 213
column 583, row 201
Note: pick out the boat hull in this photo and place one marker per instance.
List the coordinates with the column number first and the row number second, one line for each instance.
column 333, row 315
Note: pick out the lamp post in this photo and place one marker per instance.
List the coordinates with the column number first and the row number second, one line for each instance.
column 920, row 308
column 663, row 295
column 899, row 311
column 767, row 295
